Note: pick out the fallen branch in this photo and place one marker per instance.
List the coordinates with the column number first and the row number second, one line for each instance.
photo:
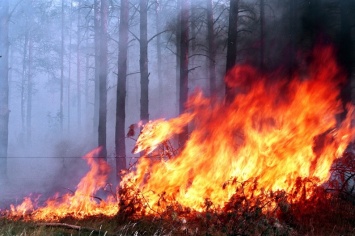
column 68, row 226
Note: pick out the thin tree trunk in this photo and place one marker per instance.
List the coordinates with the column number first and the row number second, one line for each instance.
column 4, row 87
column 61, row 69
column 97, row 66
column 184, row 64
column 103, row 80
column 211, row 48
column 23, row 81
column 143, row 61
column 178, row 39
column 159, row 61
column 232, row 44
column 29, row 89
column 78, row 67
column 87, row 80
column 121, row 89
column 69, row 64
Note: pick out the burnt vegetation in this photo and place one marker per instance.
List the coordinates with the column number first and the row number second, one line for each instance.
column 328, row 210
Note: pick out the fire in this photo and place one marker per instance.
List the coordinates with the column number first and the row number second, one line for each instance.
column 274, row 132
column 80, row 204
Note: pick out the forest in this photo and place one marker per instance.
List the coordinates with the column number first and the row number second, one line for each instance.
column 216, row 117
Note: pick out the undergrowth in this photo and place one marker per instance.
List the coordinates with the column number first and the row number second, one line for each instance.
column 328, row 209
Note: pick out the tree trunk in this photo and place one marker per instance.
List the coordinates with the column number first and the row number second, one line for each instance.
column 159, row 61
column 232, row 44
column 61, row 70
column 97, row 66
column 143, row 61
column 4, row 87
column 120, row 138
column 103, row 80
column 23, row 81
column 211, row 48
column 184, row 64
column 178, row 39
column 87, row 81
column 78, row 68
column 69, row 66
column 29, row 89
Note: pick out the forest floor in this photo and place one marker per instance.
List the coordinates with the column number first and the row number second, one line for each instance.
column 317, row 216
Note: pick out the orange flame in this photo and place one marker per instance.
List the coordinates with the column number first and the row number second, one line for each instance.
column 275, row 132
column 80, row 204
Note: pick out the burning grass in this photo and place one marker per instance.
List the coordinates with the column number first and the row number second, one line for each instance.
column 325, row 212
column 265, row 164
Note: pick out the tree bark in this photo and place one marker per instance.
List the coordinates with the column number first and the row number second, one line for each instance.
column 61, row 69
column 211, row 48
column 87, row 80
column 184, row 64
column 103, row 80
column 23, row 81
column 143, row 61
column 120, row 137
column 4, row 87
column 232, row 44
column 159, row 61
column 29, row 89
column 97, row 66
column 78, row 67
column 69, row 67
column 178, row 40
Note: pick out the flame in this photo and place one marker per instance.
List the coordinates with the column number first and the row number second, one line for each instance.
column 80, row 204
column 155, row 132
column 274, row 132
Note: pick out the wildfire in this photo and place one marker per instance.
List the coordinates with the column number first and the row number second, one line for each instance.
column 80, row 204
column 275, row 131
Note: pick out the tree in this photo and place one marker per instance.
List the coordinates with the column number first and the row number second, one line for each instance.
column 121, row 88
column 78, row 68
column 159, row 54
column 184, row 64
column 231, row 44
column 211, row 47
column 23, row 80
column 143, row 61
column 4, row 86
column 97, row 64
column 103, row 80
column 61, row 114
column 29, row 89
column 69, row 65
